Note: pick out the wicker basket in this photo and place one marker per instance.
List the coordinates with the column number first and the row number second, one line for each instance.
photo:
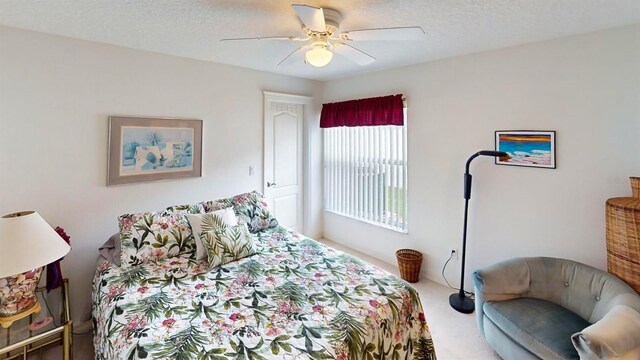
column 635, row 186
column 409, row 262
column 623, row 237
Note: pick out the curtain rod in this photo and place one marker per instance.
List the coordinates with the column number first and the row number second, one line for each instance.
column 404, row 101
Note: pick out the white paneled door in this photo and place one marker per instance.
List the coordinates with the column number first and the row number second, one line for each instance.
column 284, row 158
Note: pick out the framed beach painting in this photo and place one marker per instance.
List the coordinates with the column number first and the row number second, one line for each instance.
column 151, row 149
column 527, row 148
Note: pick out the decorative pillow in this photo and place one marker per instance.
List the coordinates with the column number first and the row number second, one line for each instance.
column 188, row 209
column 615, row 336
column 216, row 220
column 111, row 250
column 153, row 236
column 250, row 208
column 213, row 205
column 227, row 245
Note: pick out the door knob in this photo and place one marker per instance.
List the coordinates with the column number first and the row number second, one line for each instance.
column 271, row 184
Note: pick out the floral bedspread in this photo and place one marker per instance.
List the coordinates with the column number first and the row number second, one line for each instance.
column 295, row 299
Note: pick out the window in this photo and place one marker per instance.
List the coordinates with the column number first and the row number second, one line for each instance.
column 366, row 173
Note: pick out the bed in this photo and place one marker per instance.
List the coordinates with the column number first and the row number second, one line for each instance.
column 294, row 299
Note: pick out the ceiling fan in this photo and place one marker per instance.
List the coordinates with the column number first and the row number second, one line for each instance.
column 322, row 37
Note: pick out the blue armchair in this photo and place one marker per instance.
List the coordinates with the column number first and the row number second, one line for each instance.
column 549, row 308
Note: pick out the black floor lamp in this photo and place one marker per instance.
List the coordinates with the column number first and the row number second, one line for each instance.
column 459, row 300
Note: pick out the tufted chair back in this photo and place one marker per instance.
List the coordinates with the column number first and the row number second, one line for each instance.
column 586, row 291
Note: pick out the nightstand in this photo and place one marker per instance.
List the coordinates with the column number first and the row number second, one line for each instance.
column 17, row 341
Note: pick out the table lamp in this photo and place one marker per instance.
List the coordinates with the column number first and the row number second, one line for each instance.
column 27, row 244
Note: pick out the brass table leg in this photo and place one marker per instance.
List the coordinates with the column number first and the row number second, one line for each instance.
column 66, row 341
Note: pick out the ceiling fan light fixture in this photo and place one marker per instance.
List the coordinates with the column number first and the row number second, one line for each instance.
column 318, row 56
column 322, row 36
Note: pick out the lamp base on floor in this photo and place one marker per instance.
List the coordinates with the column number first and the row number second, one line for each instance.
column 461, row 303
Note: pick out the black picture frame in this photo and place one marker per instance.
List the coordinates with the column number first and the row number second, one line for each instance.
column 527, row 148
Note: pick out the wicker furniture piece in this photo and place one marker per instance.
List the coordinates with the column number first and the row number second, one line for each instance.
column 635, row 187
column 18, row 341
column 623, row 236
column 409, row 262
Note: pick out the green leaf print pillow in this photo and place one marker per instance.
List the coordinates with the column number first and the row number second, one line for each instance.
column 229, row 244
column 202, row 223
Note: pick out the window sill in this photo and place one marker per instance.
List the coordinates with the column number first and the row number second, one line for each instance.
column 374, row 223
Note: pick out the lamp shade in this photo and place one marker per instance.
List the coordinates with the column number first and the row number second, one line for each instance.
column 319, row 56
column 27, row 242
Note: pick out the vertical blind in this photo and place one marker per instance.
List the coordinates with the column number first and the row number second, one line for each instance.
column 366, row 173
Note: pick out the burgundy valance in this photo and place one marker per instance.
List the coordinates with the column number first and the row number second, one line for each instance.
column 377, row 111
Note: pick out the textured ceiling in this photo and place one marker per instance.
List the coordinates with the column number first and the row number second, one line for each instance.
column 192, row 28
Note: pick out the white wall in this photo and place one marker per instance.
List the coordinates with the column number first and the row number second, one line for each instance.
column 56, row 94
column 55, row 98
column 586, row 87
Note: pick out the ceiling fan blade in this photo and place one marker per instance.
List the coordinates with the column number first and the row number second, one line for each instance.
column 353, row 54
column 394, row 33
column 289, row 59
column 262, row 38
column 311, row 17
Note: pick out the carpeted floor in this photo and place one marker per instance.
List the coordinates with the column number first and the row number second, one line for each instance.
column 455, row 335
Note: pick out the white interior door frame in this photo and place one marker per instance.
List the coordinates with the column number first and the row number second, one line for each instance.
column 306, row 102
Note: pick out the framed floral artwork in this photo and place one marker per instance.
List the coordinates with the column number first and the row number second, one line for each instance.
column 150, row 149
